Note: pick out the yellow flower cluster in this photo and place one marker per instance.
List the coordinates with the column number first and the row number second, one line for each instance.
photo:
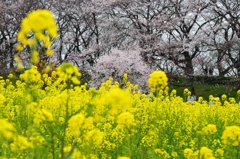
column 210, row 129
column 97, row 123
column 94, row 137
column 186, row 92
column 20, row 143
column 75, row 123
column 38, row 28
column 2, row 99
column 67, row 72
column 123, row 158
column 238, row 92
column 231, row 135
column 204, row 153
column 157, row 81
column 125, row 119
column 42, row 25
column 224, row 97
column 117, row 99
column 42, row 115
column 162, row 153
column 7, row 129
column 31, row 76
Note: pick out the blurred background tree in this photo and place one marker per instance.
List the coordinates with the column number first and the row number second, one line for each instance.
column 186, row 37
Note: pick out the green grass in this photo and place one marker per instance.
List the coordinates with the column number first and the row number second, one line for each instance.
column 204, row 89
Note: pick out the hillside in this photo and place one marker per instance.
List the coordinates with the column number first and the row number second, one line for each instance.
column 206, row 85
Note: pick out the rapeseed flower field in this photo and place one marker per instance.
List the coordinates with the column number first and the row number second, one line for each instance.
column 55, row 116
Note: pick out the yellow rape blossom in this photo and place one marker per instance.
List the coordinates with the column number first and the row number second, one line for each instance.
column 2, row 99
column 162, row 153
column 173, row 93
column 49, row 52
column 149, row 139
column 117, row 99
column 67, row 72
column 205, row 153
column 10, row 76
column 232, row 100
column 125, row 119
column 210, row 129
column 19, row 62
column 174, row 154
column 37, row 28
column 238, row 92
column 200, row 99
column 20, row 143
column 31, row 76
column 39, row 22
column 188, row 153
column 95, row 137
column 77, row 155
column 36, row 139
column 231, row 135
column 75, row 123
column 157, row 81
column 35, row 57
column 219, row 153
column 125, row 77
column 7, row 130
column 123, row 158
column 42, row 115
column 224, row 97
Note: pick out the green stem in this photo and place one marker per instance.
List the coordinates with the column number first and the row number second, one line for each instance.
column 53, row 144
column 64, row 129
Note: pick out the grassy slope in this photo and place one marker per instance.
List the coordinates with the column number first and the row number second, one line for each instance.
column 204, row 89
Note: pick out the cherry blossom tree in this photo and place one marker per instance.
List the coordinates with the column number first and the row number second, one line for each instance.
column 85, row 30
column 228, row 43
column 166, row 31
column 170, row 35
column 118, row 62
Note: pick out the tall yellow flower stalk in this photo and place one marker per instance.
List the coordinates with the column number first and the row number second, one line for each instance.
column 37, row 28
column 157, row 82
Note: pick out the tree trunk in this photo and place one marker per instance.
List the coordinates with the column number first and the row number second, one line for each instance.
column 3, row 64
column 238, row 71
column 189, row 71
